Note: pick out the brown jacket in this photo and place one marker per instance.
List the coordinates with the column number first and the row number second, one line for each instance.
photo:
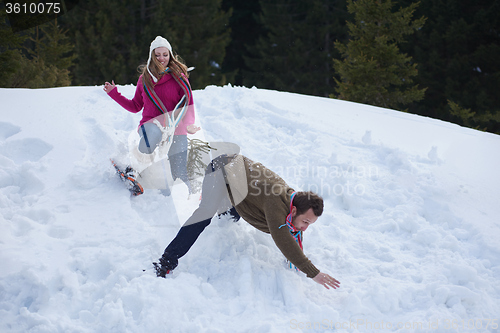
column 262, row 199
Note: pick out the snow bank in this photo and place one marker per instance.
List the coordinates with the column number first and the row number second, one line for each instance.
column 410, row 226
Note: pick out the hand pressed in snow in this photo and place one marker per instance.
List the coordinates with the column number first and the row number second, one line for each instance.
column 326, row 280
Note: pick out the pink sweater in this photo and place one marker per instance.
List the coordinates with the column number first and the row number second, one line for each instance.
column 170, row 93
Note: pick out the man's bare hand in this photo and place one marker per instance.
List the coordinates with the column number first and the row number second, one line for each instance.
column 326, row 281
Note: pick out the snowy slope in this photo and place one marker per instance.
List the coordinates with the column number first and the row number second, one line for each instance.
column 410, row 228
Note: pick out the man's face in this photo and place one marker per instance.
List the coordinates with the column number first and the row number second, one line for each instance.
column 303, row 221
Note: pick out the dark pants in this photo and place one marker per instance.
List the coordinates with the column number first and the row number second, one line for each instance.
column 214, row 197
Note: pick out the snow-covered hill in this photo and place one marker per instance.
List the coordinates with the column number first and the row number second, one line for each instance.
column 410, row 228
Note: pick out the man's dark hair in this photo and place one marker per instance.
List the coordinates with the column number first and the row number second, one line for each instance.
column 305, row 200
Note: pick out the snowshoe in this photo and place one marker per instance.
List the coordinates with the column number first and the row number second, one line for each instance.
column 130, row 178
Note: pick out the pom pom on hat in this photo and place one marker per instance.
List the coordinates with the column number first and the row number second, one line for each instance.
column 158, row 42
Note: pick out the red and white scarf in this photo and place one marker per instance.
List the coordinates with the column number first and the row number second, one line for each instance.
column 297, row 234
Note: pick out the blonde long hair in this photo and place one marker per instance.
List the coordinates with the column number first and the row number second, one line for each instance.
column 175, row 63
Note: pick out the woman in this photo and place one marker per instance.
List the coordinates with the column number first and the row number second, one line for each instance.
column 163, row 78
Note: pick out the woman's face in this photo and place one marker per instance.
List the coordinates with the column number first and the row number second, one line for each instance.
column 162, row 55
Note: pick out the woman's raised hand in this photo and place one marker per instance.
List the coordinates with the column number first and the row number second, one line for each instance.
column 109, row 86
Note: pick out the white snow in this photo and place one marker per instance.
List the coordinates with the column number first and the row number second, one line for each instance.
column 410, row 228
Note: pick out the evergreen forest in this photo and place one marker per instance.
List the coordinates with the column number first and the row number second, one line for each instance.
column 436, row 58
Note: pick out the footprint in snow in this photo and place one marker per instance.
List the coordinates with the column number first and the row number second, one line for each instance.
column 8, row 130
column 29, row 149
column 59, row 232
column 22, row 150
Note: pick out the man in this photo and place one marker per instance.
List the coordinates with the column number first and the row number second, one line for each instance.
column 262, row 199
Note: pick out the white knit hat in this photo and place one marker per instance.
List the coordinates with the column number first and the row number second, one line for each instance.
column 158, row 42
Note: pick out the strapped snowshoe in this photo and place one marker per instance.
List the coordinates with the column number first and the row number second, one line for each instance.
column 128, row 176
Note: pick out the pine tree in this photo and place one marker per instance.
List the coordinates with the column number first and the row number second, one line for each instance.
column 36, row 58
column 486, row 121
column 465, row 115
column 10, row 54
column 277, row 54
column 457, row 51
column 113, row 37
column 198, row 32
column 325, row 23
column 294, row 52
column 244, row 32
column 53, row 46
column 35, row 73
column 107, row 35
column 373, row 69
